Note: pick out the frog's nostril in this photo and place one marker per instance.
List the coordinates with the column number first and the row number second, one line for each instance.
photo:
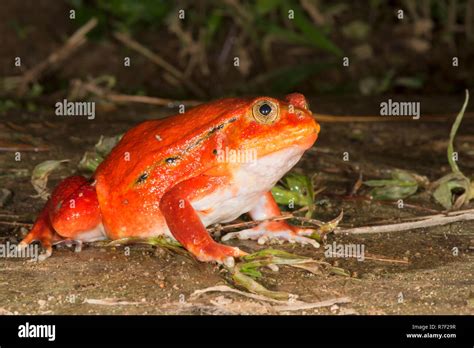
column 298, row 100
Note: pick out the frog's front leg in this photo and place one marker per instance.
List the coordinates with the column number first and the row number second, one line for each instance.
column 186, row 226
column 267, row 208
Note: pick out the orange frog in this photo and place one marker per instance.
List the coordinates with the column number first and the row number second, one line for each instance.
column 170, row 177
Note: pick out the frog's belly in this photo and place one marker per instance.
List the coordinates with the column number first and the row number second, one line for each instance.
column 249, row 183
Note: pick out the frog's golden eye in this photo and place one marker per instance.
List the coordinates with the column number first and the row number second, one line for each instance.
column 265, row 111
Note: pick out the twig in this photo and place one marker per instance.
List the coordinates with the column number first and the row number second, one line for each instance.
column 350, row 118
column 377, row 258
column 131, row 43
column 12, row 216
column 12, row 147
column 76, row 40
column 93, row 88
column 110, row 302
column 225, row 288
column 220, row 227
column 302, row 306
column 284, row 305
column 428, row 221
column 11, row 223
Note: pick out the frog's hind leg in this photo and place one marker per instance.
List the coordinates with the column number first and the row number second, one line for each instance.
column 72, row 214
column 269, row 231
column 42, row 232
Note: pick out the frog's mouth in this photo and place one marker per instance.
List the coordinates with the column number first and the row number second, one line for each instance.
column 299, row 139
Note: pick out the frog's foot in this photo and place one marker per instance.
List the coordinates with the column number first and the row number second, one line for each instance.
column 43, row 233
column 70, row 243
column 275, row 231
column 220, row 253
column 70, row 214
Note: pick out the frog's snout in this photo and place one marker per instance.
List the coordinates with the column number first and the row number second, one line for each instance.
column 310, row 129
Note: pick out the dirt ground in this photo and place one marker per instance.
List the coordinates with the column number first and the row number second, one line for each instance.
column 433, row 280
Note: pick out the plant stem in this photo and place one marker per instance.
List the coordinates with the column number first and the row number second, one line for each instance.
column 452, row 135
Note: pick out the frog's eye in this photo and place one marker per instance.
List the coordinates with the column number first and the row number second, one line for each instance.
column 265, row 111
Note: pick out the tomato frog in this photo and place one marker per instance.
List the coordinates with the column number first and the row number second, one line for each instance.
column 168, row 177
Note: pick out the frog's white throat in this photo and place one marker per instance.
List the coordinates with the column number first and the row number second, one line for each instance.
column 250, row 181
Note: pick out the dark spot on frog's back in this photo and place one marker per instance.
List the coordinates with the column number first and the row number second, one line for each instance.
column 216, row 128
column 222, row 125
column 142, row 178
column 171, row 160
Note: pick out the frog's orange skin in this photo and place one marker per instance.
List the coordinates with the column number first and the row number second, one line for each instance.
column 167, row 177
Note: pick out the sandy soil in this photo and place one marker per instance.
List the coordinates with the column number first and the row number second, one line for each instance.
column 151, row 281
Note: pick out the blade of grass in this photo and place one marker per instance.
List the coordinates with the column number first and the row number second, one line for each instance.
column 452, row 135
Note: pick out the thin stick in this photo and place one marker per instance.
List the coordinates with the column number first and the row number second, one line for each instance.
column 428, row 221
column 372, row 118
column 91, row 87
column 11, row 223
column 302, row 306
column 284, row 305
column 225, row 288
column 131, row 43
column 220, row 227
column 125, row 98
column 76, row 40
column 377, row 258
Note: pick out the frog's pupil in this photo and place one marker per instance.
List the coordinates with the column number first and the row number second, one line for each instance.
column 265, row 109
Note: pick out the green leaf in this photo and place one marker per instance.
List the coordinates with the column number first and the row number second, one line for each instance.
column 313, row 35
column 251, row 272
column 381, row 183
column 301, row 184
column 213, row 23
column 6, row 105
column 263, row 7
column 256, row 288
column 90, row 161
column 442, row 194
column 285, row 79
column 446, row 188
column 390, row 193
column 40, row 174
column 403, row 175
column 403, row 184
column 272, row 252
column 298, row 190
column 160, row 241
column 106, row 144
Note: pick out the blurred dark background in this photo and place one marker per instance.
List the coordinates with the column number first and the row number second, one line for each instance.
column 413, row 55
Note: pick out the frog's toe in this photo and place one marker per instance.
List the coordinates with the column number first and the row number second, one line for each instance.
column 71, row 243
column 219, row 253
column 275, row 232
column 45, row 254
